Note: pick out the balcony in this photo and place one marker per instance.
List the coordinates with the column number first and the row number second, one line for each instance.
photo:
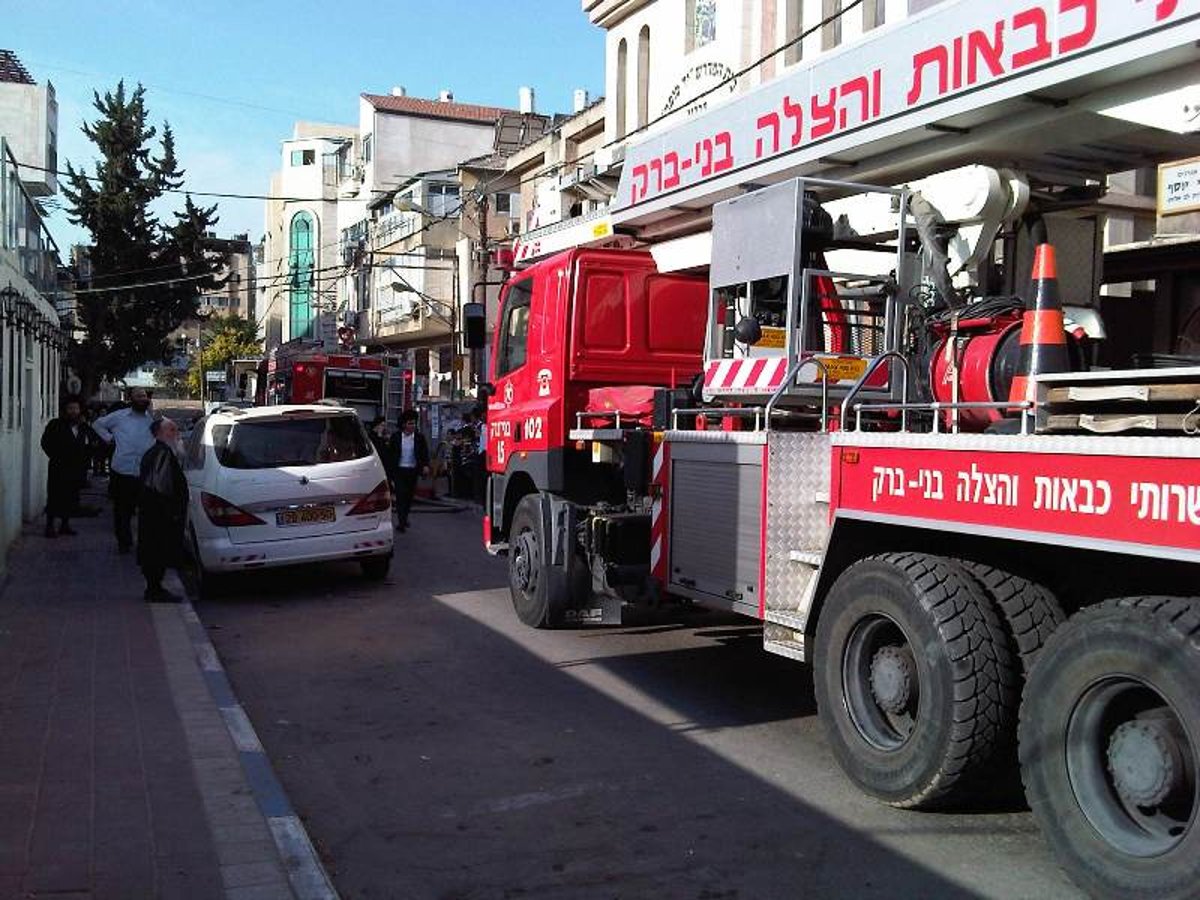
column 24, row 239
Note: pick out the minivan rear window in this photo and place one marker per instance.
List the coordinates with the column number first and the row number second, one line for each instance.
column 296, row 441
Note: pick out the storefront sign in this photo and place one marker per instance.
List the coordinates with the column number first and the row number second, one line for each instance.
column 1179, row 187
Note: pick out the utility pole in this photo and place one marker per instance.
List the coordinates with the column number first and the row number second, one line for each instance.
column 484, row 234
column 200, row 359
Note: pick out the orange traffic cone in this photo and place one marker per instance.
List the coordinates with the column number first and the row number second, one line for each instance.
column 1043, row 346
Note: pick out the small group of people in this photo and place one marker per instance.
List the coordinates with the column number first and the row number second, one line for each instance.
column 406, row 459
column 467, row 450
column 145, row 479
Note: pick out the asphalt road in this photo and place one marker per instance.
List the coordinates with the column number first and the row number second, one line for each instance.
column 438, row 749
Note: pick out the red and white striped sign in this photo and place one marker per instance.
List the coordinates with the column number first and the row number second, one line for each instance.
column 659, row 515
column 744, row 376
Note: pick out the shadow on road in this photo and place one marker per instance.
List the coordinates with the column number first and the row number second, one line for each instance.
column 433, row 756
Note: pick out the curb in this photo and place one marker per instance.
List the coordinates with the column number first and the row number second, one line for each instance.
column 306, row 874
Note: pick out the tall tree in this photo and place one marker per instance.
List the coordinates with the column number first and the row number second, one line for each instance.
column 150, row 274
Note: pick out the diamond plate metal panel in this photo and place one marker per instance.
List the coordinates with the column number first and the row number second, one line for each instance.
column 797, row 517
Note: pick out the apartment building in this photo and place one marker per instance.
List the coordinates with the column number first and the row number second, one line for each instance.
column 298, row 276
column 31, row 349
column 29, row 123
column 331, row 183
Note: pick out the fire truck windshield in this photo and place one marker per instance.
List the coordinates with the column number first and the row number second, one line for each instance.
column 354, row 386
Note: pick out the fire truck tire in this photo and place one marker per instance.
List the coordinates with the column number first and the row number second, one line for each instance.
column 910, row 668
column 1031, row 612
column 535, row 598
column 1110, row 747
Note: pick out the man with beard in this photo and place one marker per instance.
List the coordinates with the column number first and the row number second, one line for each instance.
column 129, row 430
column 67, row 440
column 162, row 510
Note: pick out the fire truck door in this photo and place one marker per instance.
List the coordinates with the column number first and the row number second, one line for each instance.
column 515, row 383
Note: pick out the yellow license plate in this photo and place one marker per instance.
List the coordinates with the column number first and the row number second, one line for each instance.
column 772, row 338
column 311, row 515
column 842, row 368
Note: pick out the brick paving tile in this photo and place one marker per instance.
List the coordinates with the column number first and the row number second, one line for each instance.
column 99, row 795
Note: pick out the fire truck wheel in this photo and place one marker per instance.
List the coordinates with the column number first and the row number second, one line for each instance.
column 910, row 668
column 532, row 589
column 1110, row 747
column 1031, row 612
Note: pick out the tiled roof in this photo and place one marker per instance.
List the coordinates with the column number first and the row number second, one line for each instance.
column 11, row 69
column 435, row 109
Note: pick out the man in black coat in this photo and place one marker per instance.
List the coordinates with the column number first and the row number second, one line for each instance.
column 410, row 454
column 162, row 511
column 68, row 442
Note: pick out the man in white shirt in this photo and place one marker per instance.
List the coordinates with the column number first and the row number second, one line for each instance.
column 411, row 451
column 129, row 430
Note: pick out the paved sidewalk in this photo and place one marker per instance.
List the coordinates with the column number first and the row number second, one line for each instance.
column 118, row 778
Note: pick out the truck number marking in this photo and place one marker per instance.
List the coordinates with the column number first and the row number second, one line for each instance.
column 533, row 429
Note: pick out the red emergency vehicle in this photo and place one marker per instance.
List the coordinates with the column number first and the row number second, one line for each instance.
column 827, row 428
column 301, row 373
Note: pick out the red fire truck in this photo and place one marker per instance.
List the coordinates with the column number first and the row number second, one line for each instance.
column 835, row 422
column 304, row 373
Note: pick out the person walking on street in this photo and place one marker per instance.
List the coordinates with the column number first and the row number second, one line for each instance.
column 411, row 452
column 378, row 433
column 128, row 430
column 162, row 510
column 67, row 441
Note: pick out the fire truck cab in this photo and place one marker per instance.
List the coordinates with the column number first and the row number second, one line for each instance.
column 871, row 424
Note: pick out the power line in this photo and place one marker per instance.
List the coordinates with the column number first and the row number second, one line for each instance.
column 220, row 195
column 169, row 90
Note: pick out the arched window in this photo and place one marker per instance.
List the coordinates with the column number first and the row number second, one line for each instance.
column 622, row 76
column 301, row 249
column 643, row 96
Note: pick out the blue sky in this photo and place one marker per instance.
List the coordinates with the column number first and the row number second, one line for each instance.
column 266, row 64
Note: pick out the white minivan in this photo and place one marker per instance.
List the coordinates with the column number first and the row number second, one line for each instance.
column 283, row 485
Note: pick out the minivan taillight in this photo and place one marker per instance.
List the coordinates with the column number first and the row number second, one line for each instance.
column 224, row 514
column 378, row 501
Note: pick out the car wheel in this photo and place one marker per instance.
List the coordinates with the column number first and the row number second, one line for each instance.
column 209, row 585
column 1110, row 747
column 910, row 670
column 376, row 568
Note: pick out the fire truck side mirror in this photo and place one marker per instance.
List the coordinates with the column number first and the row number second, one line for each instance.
column 486, row 390
column 474, row 326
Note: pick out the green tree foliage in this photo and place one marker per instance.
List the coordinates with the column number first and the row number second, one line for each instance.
column 173, row 382
column 169, row 263
column 225, row 338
